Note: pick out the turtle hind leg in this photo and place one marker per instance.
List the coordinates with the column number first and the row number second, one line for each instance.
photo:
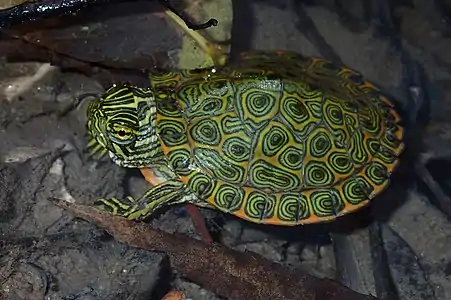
column 215, row 51
column 167, row 193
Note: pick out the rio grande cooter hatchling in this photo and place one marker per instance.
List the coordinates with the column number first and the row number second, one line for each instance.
column 274, row 138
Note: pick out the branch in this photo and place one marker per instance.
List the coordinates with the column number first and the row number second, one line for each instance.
column 31, row 11
column 223, row 271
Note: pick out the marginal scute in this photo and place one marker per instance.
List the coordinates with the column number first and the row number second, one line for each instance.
column 370, row 120
column 326, row 202
column 279, row 138
column 202, row 183
column 228, row 197
column 377, row 173
column 259, row 205
column 357, row 190
column 181, row 160
column 293, row 207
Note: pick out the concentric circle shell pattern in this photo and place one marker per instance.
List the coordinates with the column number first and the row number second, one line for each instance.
column 279, row 138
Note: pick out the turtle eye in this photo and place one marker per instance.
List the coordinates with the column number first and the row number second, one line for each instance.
column 121, row 134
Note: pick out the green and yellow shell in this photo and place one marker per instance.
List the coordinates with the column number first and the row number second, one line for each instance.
column 275, row 138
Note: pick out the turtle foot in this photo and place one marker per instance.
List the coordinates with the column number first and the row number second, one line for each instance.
column 115, row 206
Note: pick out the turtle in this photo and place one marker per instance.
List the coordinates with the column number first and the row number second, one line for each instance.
column 274, row 137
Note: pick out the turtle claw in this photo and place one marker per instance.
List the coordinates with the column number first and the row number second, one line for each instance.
column 115, row 206
column 131, row 200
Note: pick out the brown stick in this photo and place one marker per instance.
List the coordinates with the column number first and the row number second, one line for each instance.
column 225, row 272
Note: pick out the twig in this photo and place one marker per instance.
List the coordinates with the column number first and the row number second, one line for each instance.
column 30, row 11
column 225, row 272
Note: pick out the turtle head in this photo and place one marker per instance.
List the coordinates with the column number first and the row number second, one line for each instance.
column 122, row 123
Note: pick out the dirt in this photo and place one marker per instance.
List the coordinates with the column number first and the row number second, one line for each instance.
column 48, row 254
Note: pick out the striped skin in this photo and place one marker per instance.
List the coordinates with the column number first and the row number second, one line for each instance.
column 275, row 139
column 128, row 131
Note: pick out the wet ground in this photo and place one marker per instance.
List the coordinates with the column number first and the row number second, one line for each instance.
column 48, row 254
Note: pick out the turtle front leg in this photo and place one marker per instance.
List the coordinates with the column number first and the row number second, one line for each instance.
column 193, row 210
column 167, row 193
